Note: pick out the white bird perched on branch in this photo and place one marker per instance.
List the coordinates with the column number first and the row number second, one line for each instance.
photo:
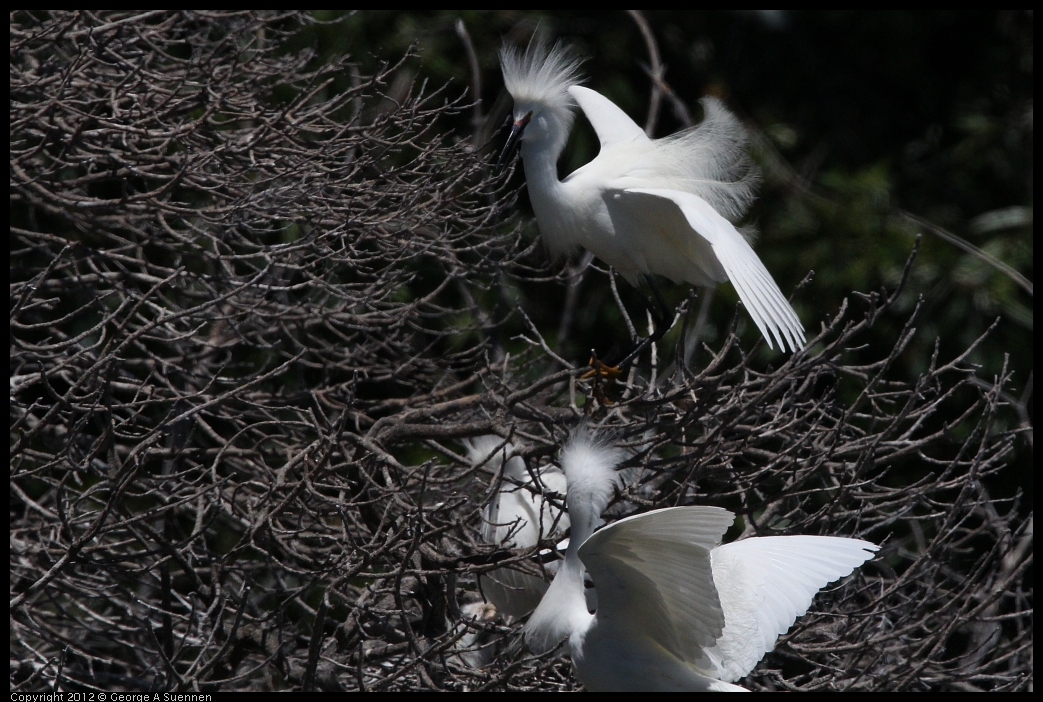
column 675, row 610
column 642, row 205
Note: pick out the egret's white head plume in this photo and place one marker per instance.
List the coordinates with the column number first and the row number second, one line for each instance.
column 538, row 79
column 589, row 464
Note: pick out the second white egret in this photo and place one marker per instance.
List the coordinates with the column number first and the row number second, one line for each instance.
column 644, row 206
column 675, row 609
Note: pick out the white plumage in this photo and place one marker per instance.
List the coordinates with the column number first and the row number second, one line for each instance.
column 643, row 205
column 675, row 609
column 518, row 516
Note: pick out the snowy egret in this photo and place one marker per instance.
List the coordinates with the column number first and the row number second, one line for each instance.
column 518, row 516
column 675, row 610
column 642, row 205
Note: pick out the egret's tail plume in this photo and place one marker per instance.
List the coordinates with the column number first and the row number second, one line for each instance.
column 710, row 160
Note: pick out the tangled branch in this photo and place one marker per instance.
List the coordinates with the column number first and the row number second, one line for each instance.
column 254, row 311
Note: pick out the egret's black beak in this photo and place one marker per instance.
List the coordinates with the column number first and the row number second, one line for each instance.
column 513, row 141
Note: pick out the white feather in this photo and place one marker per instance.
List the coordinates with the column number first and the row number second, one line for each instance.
column 765, row 583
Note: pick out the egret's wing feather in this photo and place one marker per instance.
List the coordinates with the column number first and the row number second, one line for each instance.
column 613, row 126
column 766, row 583
column 514, row 594
column 653, row 579
column 770, row 310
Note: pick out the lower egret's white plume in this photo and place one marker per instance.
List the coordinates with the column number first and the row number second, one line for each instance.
column 675, row 609
column 643, row 205
column 518, row 516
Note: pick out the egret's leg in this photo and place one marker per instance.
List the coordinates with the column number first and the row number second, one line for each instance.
column 661, row 318
column 662, row 315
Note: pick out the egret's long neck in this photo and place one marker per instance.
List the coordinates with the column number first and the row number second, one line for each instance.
column 541, row 176
column 541, row 160
column 562, row 612
column 589, row 469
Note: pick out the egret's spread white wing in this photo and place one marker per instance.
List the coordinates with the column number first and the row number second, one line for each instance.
column 766, row 583
column 653, row 578
column 613, row 126
column 757, row 289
